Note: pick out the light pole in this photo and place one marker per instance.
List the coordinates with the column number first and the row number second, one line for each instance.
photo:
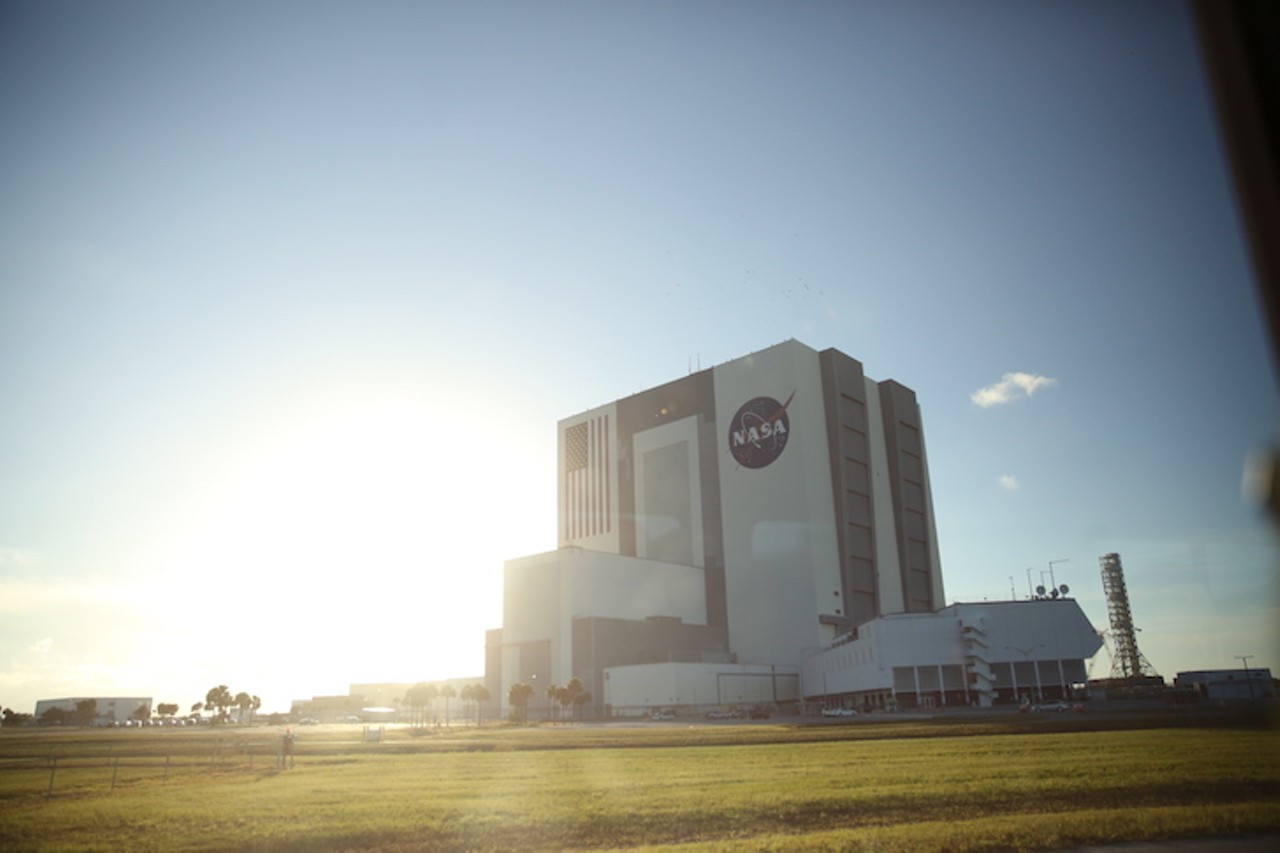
column 1052, row 563
column 1244, row 659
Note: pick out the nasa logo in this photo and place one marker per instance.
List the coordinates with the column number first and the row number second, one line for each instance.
column 759, row 431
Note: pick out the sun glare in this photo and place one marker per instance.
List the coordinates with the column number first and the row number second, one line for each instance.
column 368, row 544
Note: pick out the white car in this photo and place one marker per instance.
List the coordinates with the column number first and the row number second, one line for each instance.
column 839, row 712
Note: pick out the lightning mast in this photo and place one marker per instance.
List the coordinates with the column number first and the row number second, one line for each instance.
column 1127, row 662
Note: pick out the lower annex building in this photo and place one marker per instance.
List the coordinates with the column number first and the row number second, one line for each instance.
column 762, row 531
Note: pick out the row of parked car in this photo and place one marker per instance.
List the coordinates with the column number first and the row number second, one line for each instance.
column 154, row 721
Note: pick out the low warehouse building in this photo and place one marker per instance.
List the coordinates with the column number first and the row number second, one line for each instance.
column 980, row 654
column 1228, row 683
column 107, row 710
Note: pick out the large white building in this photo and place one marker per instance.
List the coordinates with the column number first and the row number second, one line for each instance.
column 726, row 528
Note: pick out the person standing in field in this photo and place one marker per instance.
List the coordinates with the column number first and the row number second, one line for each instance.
column 285, row 759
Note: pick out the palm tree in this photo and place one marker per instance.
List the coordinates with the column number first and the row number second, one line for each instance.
column 553, row 695
column 479, row 695
column 580, row 701
column 518, row 696
column 433, row 690
column 467, row 693
column 243, row 703
column 87, row 711
column 572, row 693
column 253, row 708
column 448, row 693
column 219, row 697
column 418, row 696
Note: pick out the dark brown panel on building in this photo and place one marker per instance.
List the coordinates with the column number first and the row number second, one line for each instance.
column 844, row 396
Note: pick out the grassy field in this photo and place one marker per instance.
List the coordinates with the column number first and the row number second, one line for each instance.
column 961, row 785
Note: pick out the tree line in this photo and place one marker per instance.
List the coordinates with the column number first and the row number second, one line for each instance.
column 421, row 697
column 570, row 695
column 220, row 699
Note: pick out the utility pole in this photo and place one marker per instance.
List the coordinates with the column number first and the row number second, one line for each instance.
column 1244, row 659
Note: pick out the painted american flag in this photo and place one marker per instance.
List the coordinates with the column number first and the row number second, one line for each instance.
column 586, row 478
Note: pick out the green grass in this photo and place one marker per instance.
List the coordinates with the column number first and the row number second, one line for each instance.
column 994, row 785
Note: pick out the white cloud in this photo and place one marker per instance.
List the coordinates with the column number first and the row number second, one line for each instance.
column 1009, row 483
column 1010, row 387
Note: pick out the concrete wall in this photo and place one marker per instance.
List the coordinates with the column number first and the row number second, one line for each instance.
column 544, row 593
column 635, row 689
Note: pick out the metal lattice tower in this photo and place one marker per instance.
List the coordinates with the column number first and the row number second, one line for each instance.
column 1127, row 661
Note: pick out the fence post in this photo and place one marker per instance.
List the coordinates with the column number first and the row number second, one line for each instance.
column 166, row 767
column 115, row 770
column 53, row 768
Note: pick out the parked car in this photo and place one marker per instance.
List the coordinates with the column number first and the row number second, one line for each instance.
column 662, row 715
column 839, row 712
column 1051, row 706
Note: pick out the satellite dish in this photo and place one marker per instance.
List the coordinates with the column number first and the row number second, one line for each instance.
column 1040, row 589
column 1064, row 589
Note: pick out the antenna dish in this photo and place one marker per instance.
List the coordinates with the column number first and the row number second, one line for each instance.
column 1064, row 589
column 1040, row 589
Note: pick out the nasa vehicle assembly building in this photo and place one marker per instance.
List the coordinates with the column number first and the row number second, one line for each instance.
column 763, row 532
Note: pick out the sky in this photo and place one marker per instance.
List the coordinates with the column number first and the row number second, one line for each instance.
column 292, row 296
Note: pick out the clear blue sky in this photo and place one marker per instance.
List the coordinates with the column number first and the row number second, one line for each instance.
column 293, row 294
